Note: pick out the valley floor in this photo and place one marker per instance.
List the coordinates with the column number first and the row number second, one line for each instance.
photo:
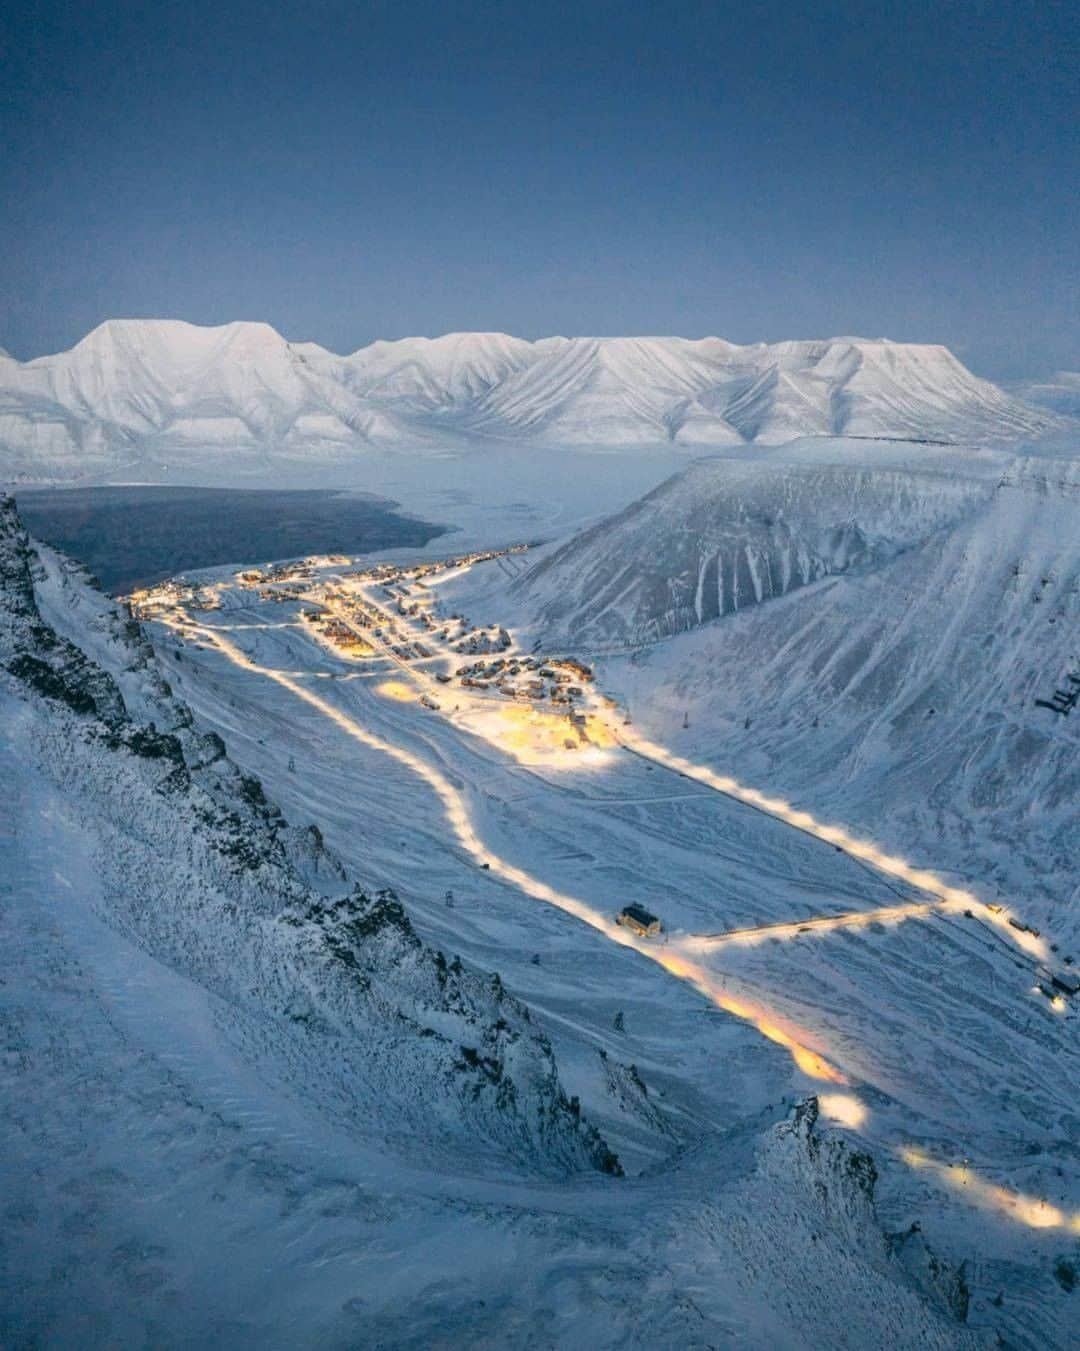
column 166, row 1185
column 947, row 1064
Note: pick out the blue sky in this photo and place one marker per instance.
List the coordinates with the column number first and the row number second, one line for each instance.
column 349, row 171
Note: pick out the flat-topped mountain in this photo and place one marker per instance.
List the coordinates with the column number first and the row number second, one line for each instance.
column 138, row 390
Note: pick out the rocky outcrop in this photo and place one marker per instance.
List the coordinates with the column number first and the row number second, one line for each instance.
column 940, row 1280
column 841, row 1181
column 207, row 875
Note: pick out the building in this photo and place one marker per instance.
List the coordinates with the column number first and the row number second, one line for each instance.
column 1067, row 982
column 637, row 918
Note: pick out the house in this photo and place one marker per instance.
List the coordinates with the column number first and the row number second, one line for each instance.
column 637, row 918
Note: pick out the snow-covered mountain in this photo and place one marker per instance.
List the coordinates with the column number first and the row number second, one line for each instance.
column 726, row 535
column 153, row 392
column 870, row 636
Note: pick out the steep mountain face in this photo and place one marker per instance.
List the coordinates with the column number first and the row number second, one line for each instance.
column 133, row 384
column 802, row 1171
column 725, row 536
column 434, row 375
column 137, row 391
column 604, row 391
column 893, row 631
column 318, row 978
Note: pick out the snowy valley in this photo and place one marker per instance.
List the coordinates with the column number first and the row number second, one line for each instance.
column 787, row 666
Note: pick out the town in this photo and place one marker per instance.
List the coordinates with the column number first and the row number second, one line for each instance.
column 389, row 612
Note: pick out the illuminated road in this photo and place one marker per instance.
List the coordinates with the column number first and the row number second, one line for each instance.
column 676, row 956
column 850, row 919
column 1027, row 1210
column 946, row 897
column 767, row 1023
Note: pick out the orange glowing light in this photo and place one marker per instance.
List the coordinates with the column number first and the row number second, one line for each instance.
column 396, row 689
column 1029, row 1210
column 843, row 1108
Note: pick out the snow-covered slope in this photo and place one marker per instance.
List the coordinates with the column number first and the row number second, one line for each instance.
column 245, row 1104
column 726, row 535
column 203, row 873
column 137, row 392
column 870, row 642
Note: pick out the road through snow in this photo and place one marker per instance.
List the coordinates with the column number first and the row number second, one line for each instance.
column 677, row 954
column 808, row 1060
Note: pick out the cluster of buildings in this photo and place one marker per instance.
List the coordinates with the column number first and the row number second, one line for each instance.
column 406, row 597
column 475, row 640
column 148, row 602
column 299, row 570
column 338, row 632
column 556, row 680
column 415, row 572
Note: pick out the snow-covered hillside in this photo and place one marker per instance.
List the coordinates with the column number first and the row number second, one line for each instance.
column 725, row 535
column 245, row 1104
column 140, row 394
column 207, row 876
column 869, row 640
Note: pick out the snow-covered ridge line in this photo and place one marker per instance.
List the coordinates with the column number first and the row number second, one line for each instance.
column 723, row 536
column 133, row 388
column 207, row 876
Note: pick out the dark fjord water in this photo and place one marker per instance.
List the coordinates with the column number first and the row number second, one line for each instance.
column 135, row 536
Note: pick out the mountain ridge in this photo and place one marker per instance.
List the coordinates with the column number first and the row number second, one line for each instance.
column 135, row 388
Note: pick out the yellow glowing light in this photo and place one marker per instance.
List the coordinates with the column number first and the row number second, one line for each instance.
column 865, row 850
column 1029, row 1210
column 843, row 1108
column 785, row 930
column 599, row 733
column 395, row 689
column 534, row 735
column 810, row 1062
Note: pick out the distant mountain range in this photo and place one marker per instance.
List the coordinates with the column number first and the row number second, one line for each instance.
column 150, row 388
column 1060, row 393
